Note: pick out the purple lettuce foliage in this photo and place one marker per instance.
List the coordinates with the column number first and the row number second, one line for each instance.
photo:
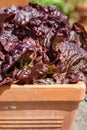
column 38, row 43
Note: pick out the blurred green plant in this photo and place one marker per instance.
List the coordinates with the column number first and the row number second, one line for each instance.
column 79, row 1
column 66, row 7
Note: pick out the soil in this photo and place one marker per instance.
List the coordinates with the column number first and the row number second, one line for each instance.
column 81, row 117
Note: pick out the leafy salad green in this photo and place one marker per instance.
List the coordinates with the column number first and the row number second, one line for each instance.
column 66, row 7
